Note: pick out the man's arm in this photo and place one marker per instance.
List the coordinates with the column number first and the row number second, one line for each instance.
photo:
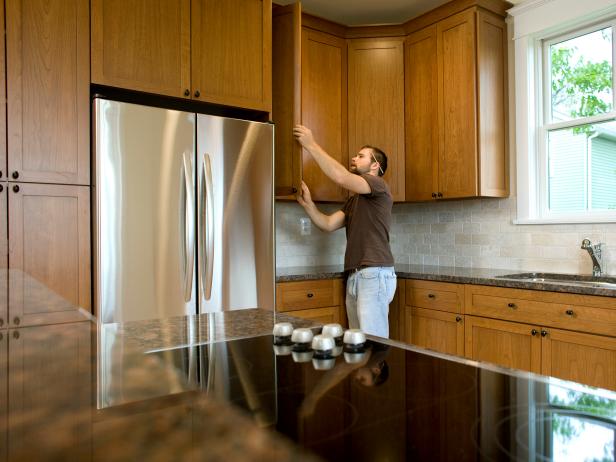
column 330, row 166
column 323, row 222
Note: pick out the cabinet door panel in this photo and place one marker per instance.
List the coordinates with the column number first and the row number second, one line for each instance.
column 142, row 45
column 4, row 254
column 3, row 396
column 504, row 343
column 49, row 255
column 231, row 52
column 376, row 103
column 584, row 358
column 435, row 330
column 50, row 374
column 421, row 99
column 48, row 82
column 323, row 315
column 3, row 107
column 457, row 106
column 324, row 77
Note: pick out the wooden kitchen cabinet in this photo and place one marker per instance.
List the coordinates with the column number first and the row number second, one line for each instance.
column 49, row 253
column 310, row 84
column 320, row 300
column 206, row 50
column 3, row 396
column 433, row 316
column 470, row 157
column 376, row 103
column 142, row 45
column 3, row 107
column 48, row 97
column 4, row 257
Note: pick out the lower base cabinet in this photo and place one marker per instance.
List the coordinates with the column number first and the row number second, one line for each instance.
column 320, row 301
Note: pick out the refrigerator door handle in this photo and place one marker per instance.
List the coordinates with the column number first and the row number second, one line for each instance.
column 206, row 232
column 188, row 226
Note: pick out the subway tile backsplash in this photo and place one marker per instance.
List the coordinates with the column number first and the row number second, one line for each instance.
column 476, row 233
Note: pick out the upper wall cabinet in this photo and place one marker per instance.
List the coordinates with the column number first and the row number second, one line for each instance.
column 310, row 87
column 3, row 108
column 376, row 103
column 206, row 50
column 48, row 78
column 457, row 147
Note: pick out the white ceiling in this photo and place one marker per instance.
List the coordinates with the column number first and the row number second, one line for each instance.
column 368, row 12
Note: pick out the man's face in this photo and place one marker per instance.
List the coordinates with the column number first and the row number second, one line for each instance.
column 362, row 162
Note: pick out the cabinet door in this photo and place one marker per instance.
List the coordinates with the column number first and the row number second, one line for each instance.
column 376, row 103
column 50, row 374
column 286, row 97
column 436, row 330
column 142, row 45
column 508, row 344
column 323, row 315
column 231, row 52
column 456, row 103
column 584, row 358
column 49, row 254
column 324, row 103
column 3, row 396
column 4, row 254
column 421, row 99
column 48, row 82
column 3, row 106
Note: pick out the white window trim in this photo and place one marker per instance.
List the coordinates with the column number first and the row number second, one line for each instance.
column 534, row 21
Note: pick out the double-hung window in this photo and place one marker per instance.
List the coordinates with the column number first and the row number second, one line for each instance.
column 577, row 132
column 564, row 113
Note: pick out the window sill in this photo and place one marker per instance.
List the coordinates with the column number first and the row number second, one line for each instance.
column 564, row 220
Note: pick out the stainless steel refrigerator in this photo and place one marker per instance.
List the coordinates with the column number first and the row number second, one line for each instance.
column 183, row 213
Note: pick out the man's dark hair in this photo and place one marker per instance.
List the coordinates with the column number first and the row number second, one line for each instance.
column 380, row 157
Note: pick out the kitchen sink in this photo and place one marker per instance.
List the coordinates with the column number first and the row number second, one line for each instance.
column 565, row 279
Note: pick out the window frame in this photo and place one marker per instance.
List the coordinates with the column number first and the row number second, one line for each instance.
column 544, row 125
column 530, row 23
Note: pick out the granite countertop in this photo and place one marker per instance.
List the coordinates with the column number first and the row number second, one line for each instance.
column 460, row 275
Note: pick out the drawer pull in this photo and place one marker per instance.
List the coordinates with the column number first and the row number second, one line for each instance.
column 309, row 295
column 512, row 306
column 534, row 332
column 458, row 318
column 431, row 296
column 544, row 333
column 569, row 313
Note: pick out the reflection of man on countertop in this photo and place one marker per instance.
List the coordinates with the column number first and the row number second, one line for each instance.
column 367, row 217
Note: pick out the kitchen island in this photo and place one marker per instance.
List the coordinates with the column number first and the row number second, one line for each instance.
column 73, row 391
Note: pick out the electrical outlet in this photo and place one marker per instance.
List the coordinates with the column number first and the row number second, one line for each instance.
column 305, row 226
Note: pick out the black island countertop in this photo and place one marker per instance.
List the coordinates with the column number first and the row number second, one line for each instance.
column 213, row 387
column 460, row 275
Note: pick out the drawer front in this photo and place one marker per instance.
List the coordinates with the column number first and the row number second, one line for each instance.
column 321, row 315
column 504, row 305
column 291, row 296
column 434, row 295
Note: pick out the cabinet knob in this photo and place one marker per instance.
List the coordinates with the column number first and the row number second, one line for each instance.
column 16, row 188
column 431, row 296
column 511, row 305
column 533, row 332
column 0, row 173
column 458, row 318
column 1, row 188
column 309, row 295
column 15, row 334
column 1, row 322
column 197, row 94
column 15, row 174
column 187, row 92
column 544, row 333
column 16, row 320
column 293, row 190
column 434, row 195
column 439, row 194
column 569, row 312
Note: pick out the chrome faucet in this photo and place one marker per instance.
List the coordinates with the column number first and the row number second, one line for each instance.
column 595, row 254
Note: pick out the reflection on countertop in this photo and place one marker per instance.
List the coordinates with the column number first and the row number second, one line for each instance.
column 72, row 391
column 460, row 275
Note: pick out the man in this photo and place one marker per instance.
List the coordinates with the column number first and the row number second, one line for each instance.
column 367, row 216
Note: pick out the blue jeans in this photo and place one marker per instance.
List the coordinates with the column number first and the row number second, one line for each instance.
column 369, row 292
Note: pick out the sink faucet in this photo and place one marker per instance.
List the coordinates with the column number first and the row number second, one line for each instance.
column 595, row 254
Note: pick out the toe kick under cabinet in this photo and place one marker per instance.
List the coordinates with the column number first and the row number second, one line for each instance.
column 568, row 336
column 321, row 301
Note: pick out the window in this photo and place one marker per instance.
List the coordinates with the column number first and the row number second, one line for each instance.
column 577, row 126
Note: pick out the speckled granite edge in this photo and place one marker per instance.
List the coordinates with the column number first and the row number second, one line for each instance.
column 478, row 276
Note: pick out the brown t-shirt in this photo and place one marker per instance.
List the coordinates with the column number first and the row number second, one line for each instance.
column 367, row 220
